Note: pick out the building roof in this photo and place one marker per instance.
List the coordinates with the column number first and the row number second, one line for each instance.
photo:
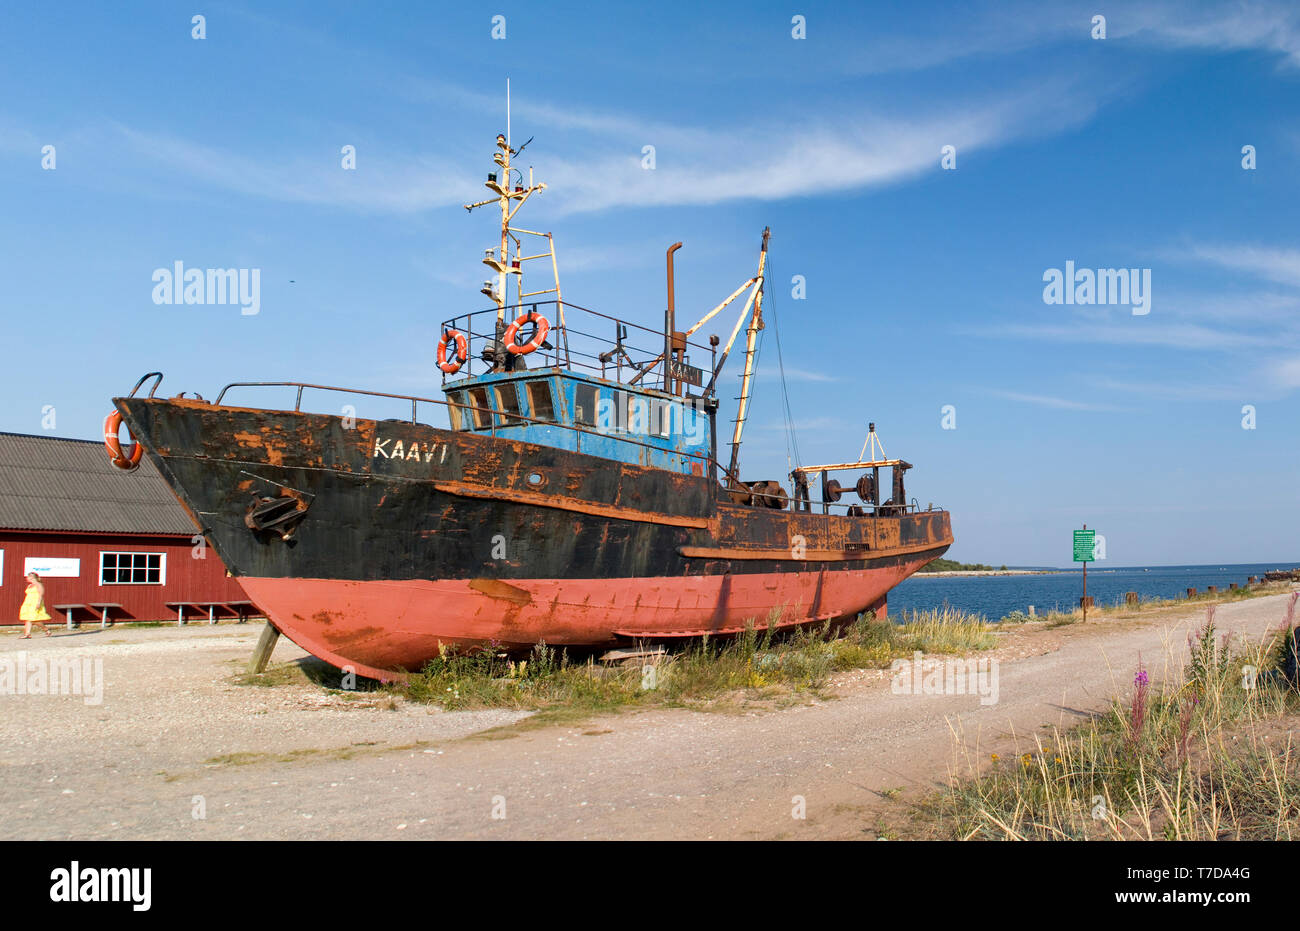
column 51, row 483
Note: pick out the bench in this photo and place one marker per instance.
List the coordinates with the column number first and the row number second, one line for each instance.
column 102, row 607
column 236, row 608
column 68, row 611
column 242, row 609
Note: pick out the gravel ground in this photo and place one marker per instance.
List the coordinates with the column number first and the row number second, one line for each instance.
column 178, row 750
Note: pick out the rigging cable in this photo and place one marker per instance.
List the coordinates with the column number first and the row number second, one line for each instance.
column 791, row 440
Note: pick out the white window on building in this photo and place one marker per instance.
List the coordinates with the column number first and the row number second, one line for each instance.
column 132, row 568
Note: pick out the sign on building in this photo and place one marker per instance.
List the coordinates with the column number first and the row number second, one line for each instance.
column 53, row 567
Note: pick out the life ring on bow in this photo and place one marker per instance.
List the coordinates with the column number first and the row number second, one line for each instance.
column 462, row 351
column 539, row 336
column 127, row 458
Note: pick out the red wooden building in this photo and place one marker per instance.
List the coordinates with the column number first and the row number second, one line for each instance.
column 102, row 540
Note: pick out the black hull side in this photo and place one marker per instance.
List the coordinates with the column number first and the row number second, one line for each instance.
column 427, row 515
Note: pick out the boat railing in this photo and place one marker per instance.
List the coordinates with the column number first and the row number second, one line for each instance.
column 491, row 418
column 627, row 353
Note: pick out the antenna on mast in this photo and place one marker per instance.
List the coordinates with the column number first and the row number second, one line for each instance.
column 509, row 196
column 872, row 441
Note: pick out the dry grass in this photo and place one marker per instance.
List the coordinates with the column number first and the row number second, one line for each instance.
column 758, row 666
column 1209, row 756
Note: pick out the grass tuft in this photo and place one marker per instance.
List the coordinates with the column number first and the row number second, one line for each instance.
column 759, row 664
column 1208, row 756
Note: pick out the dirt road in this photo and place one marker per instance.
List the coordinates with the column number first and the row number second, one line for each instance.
column 176, row 749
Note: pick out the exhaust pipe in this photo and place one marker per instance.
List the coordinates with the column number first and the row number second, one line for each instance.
column 670, row 322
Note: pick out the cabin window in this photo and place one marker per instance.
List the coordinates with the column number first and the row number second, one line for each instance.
column 507, row 404
column 584, row 404
column 479, row 413
column 637, row 420
column 539, row 400
column 132, row 568
column 459, row 417
column 666, row 417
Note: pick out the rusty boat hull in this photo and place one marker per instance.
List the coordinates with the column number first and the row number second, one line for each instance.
column 391, row 541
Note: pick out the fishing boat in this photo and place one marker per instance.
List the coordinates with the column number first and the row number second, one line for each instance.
column 565, row 488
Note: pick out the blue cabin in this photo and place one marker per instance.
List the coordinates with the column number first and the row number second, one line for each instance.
column 570, row 410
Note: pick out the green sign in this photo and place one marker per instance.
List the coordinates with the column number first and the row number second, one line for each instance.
column 1085, row 545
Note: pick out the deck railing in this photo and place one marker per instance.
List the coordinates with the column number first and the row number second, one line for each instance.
column 415, row 401
column 627, row 353
column 491, row 417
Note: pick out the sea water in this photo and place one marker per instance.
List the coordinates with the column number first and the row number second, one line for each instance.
column 997, row 596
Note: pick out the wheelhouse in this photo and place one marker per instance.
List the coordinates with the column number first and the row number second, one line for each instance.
column 582, row 413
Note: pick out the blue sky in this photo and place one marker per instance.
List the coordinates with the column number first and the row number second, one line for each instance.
column 924, row 285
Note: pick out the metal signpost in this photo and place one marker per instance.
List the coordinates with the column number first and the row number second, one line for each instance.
column 1085, row 546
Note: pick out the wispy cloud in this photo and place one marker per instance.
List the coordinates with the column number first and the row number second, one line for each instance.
column 1239, row 26
column 1172, row 336
column 18, row 140
column 810, row 424
column 1286, row 372
column 975, row 31
column 1270, row 263
column 999, row 29
column 1239, row 307
column 814, row 155
column 388, row 184
column 1045, row 400
column 1173, row 390
column 855, row 151
column 794, row 374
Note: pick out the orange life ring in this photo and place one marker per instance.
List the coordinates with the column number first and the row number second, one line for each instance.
column 127, row 458
column 462, row 351
column 512, row 331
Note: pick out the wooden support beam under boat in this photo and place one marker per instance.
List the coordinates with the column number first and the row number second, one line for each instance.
column 262, row 652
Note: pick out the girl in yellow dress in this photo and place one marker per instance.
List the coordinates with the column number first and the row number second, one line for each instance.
column 33, row 608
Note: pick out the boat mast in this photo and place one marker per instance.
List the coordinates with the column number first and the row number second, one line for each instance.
column 499, row 184
column 751, row 337
column 505, row 153
column 510, row 197
column 504, row 146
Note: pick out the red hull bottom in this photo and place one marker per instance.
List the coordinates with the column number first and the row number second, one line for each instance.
column 380, row 627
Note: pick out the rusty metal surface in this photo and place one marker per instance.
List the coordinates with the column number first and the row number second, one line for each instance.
column 402, row 500
column 372, row 543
